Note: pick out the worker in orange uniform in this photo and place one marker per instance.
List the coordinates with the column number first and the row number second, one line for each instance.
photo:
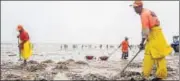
column 125, row 45
column 25, row 46
column 156, row 47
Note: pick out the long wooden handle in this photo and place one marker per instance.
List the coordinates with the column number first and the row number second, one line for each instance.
column 130, row 61
column 19, row 50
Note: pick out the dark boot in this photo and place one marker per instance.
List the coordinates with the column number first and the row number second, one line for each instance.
column 156, row 79
column 122, row 56
column 125, row 56
column 25, row 62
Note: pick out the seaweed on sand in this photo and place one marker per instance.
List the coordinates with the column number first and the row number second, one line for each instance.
column 36, row 67
column 32, row 62
column 47, row 61
column 61, row 67
column 65, row 63
column 94, row 77
column 128, row 75
column 70, row 60
column 82, row 62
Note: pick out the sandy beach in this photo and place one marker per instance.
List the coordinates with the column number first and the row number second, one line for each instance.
column 49, row 62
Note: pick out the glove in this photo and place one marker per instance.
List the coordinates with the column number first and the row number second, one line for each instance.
column 130, row 48
column 141, row 46
column 18, row 36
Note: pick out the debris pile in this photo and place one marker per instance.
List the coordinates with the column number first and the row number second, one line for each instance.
column 47, row 61
column 74, row 76
column 94, row 77
column 130, row 73
column 36, row 67
column 82, row 62
column 127, row 75
column 61, row 67
column 32, row 62
column 70, row 61
column 13, row 77
column 65, row 63
column 44, row 76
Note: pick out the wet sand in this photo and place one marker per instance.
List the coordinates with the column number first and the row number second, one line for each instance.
column 72, row 65
column 91, row 70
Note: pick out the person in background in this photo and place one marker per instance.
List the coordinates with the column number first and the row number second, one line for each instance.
column 82, row 46
column 107, row 46
column 125, row 45
column 100, row 46
column 61, row 47
column 25, row 45
column 65, row 47
column 156, row 47
column 74, row 46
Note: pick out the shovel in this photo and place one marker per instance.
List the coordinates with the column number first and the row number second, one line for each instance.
column 130, row 62
column 128, row 65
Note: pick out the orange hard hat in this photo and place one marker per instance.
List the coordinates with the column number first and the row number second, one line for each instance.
column 137, row 3
column 19, row 27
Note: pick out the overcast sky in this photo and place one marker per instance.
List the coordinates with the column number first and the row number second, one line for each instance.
column 83, row 21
